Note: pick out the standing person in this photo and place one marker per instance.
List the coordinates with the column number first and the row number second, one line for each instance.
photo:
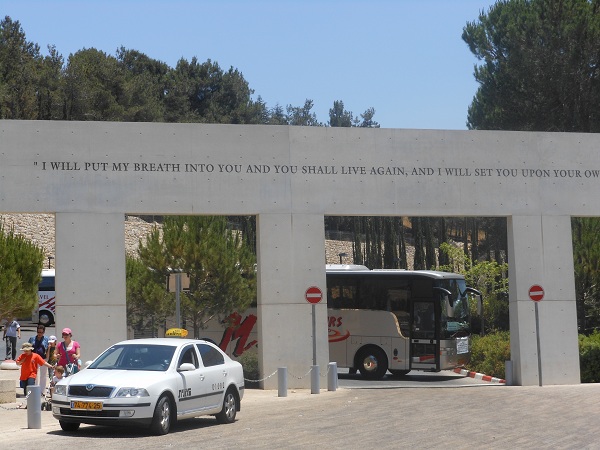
column 40, row 347
column 68, row 351
column 29, row 363
column 12, row 332
column 51, row 355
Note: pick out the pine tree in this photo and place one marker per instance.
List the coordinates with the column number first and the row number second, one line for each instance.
column 20, row 274
column 219, row 261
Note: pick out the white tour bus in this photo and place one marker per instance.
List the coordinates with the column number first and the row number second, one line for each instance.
column 380, row 320
column 45, row 313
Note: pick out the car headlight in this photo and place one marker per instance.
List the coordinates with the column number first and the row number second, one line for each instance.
column 132, row 392
column 60, row 389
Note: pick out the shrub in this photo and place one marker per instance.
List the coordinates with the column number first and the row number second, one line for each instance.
column 589, row 357
column 249, row 362
column 488, row 353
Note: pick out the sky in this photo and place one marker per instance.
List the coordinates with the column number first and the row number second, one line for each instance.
column 404, row 58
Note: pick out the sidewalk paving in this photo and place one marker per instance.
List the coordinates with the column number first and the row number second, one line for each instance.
column 490, row 416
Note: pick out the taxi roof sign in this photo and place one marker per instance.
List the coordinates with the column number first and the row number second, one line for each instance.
column 176, row 332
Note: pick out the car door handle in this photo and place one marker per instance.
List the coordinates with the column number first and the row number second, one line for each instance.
column 201, row 377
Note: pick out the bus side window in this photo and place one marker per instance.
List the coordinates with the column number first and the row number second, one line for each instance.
column 367, row 295
column 341, row 295
column 397, row 302
column 334, row 297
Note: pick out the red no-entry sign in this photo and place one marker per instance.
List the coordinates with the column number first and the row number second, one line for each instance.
column 313, row 295
column 536, row 293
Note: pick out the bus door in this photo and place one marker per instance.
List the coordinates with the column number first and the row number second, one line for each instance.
column 424, row 338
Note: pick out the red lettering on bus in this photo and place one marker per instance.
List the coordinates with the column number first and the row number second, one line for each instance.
column 335, row 322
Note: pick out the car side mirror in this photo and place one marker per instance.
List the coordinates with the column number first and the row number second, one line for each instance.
column 185, row 367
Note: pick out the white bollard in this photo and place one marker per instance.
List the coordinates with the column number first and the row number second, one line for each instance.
column 282, row 382
column 332, row 377
column 34, row 407
column 314, row 380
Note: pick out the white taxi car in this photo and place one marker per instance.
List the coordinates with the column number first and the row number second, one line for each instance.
column 152, row 383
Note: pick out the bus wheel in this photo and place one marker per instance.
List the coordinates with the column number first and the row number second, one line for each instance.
column 399, row 373
column 46, row 318
column 372, row 363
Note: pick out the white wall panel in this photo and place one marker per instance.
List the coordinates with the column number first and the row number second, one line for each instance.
column 92, row 173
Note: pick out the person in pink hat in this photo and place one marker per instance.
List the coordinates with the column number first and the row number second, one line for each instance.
column 68, row 352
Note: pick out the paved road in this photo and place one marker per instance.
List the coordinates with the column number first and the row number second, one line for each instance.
column 488, row 416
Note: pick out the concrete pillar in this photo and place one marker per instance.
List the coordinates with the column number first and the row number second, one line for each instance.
column 291, row 258
column 90, row 279
column 540, row 252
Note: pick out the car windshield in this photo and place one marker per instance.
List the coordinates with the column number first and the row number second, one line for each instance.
column 135, row 357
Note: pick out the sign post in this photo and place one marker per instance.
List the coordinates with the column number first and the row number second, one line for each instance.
column 313, row 295
column 536, row 294
column 176, row 284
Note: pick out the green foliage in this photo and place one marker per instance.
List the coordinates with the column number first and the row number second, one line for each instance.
column 378, row 242
column 367, row 119
column 147, row 299
column 338, row 116
column 586, row 258
column 249, row 361
column 303, row 116
column 489, row 353
column 381, row 242
column 538, row 70
column 94, row 86
column 20, row 274
column 131, row 86
column 219, row 261
column 589, row 357
column 20, row 63
column 145, row 82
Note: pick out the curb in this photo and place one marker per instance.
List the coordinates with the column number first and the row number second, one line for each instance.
column 8, row 364
column 479, row 376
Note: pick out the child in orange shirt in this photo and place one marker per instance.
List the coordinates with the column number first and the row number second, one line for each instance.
column 29, row 363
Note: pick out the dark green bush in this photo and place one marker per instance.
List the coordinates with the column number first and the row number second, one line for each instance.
column 249, row 362
column 589, row 357
column 488, row 353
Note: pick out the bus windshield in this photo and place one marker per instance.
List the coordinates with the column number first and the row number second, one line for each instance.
column 455, row 313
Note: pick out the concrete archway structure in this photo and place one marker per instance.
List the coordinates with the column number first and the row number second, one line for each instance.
column 92, row 173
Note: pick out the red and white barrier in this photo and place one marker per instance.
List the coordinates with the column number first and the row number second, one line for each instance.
column 479, row 376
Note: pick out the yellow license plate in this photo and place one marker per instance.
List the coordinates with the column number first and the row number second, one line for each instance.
column 88, row 406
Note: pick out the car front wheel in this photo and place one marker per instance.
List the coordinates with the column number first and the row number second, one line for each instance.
column 230, row 407
column 69, row 426
column 161, row 421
